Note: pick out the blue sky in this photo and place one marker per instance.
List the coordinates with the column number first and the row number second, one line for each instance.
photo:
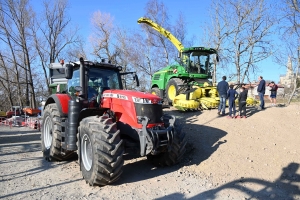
column 127, row 12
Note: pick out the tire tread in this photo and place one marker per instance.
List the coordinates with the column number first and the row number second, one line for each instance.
column 108, row 156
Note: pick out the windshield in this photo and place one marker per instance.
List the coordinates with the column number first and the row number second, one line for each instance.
column 102, row 79
column 99, row 80
column 197, row 62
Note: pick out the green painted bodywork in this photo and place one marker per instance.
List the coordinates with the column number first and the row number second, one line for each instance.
column 161, row 78
column 53, row 87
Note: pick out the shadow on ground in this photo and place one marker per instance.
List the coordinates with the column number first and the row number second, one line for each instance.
column 203, row 141
column 21, row 141
column 284, row 187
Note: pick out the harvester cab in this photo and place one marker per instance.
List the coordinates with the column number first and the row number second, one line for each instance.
column 196, row 60
column 100, row 121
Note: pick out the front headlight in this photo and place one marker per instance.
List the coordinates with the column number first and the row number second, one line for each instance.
column 141, row 100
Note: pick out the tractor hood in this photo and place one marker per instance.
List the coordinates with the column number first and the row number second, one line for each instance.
column 130, row 95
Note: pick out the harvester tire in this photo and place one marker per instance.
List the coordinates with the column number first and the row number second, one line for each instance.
column 51, row 135
column 101, row 150
column 176, row 153
column 155, row 91
column 172, row 89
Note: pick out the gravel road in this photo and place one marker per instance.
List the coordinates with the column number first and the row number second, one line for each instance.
column 253, row 158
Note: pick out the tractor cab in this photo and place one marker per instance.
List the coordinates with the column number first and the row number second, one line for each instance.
column 91, row 79
column 197, row 60
column 97, row 77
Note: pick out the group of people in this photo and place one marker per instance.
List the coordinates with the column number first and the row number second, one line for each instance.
column 227, row 91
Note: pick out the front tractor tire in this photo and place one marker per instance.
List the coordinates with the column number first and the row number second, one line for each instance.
column 173, row 156
column 155, row 91
column 51, row 135
column 172, row 89
column 101, row 150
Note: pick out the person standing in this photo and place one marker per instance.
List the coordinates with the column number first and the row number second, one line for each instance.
column 231, row 95
column 273, row 94
column 222, row 88
column 261, row 89
column 242, row 102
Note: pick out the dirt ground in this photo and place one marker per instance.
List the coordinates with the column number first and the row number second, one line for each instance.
column 253, row 158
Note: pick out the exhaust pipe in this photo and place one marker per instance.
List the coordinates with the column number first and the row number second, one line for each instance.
column 71, row 129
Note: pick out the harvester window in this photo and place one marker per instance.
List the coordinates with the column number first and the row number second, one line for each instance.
column 199, row 63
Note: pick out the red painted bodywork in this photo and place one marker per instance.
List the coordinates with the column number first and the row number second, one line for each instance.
column 124, row 108
column 64, row 102
column 9, row 114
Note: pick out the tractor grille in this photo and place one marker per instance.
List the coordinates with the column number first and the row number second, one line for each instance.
column 156, row 76
column 152, row 111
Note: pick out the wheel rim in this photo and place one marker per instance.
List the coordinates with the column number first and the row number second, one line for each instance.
column 47, row 132
column 86, row 152
column 172, row 92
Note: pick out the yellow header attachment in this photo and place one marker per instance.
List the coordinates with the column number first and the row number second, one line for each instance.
column 162, row 31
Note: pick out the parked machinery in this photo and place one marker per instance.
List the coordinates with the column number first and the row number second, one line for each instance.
column 100, row 121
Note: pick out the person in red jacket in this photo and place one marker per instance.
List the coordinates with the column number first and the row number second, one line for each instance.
column 273, row 94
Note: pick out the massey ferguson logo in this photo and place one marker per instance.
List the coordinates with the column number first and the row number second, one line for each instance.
column 117, row 96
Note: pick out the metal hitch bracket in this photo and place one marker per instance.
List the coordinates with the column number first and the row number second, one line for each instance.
column 150, row 141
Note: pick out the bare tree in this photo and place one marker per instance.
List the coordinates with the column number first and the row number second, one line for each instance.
column 77, row 50
column 4, row 81
column 52, row 35
column 15, row 22
column 158, row 12
column 144, row 51
column 242, row 33
column 290, row 36
column 216, row 33
column 102, row 36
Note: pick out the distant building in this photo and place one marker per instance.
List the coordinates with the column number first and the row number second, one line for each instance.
column 288, row 78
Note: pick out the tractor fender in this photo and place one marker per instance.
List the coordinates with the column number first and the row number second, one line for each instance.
column 61, row 100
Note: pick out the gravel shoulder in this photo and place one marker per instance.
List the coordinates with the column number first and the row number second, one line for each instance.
column 253, row 158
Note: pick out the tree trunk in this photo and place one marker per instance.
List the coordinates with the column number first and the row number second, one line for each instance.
column 295, row 78
column 214, row 78
column 6, row 86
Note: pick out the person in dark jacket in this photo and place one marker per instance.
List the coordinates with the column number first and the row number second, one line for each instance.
column 222, row 88
column 261, row 88
column 242, row 102
column 231, row 95
column 273, row 90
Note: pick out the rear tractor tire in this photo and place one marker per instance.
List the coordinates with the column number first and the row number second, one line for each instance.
column 101, row 150
column 176, row 153
column 172, row 89
column 52, row 136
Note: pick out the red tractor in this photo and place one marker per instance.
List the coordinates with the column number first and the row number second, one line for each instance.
column 100, row 121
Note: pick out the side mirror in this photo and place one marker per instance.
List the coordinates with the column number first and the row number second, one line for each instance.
column 136, row 78
column 68, row 71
